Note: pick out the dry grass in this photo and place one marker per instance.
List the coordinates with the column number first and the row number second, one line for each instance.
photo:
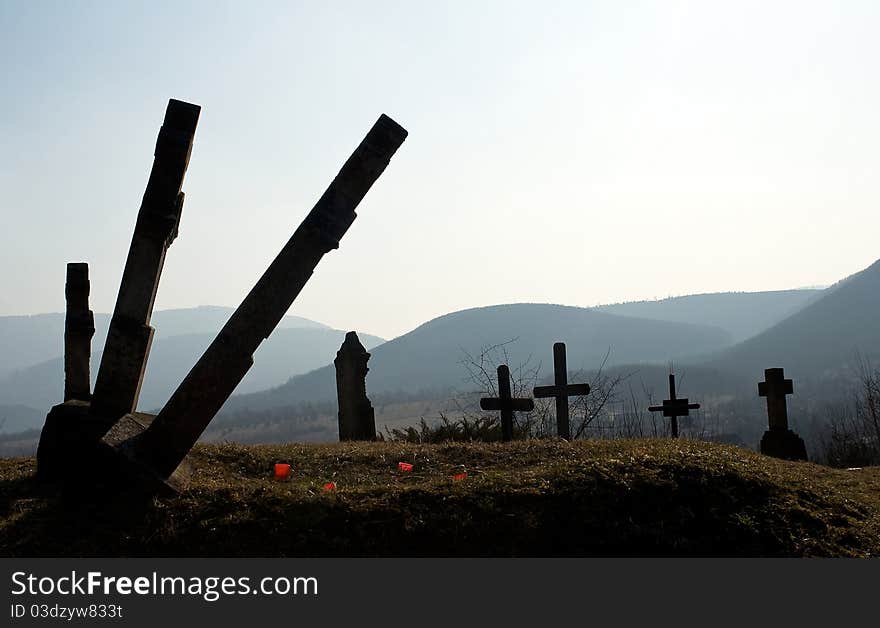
column 536, row 498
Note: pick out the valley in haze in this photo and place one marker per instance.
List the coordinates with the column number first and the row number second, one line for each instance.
column 718, row 344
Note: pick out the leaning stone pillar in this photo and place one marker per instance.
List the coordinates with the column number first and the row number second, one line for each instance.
column 158, row 450
column 121, row 373
column 357, row 419
column 79, row 327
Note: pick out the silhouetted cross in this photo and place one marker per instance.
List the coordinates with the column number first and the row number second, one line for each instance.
column 775, row 387
column 673, row 407
column 562, row 390
column 506, row 403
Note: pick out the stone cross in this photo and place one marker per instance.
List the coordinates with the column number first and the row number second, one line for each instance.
column 674, row 407
column 157, row 451
column 779, row 441
column 357, row 420
column 506, row 403
column 79, row 327
column 127, row 348
column 775, row 387
column 562, row 390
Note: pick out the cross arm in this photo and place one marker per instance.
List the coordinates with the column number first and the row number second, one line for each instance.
column 490, row 403
column 517, row 405
column 522, row 405
column 572, row 390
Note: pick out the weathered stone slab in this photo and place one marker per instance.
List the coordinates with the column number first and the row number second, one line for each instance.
column 79, row 327
column 124, row 361
column 120, row 458
column 162, row 447
column 357, row 419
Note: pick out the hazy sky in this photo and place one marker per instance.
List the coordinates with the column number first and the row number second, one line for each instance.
column 566, row 152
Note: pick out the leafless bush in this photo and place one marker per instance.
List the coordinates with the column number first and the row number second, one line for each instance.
column 481, row 373
column 851, row 437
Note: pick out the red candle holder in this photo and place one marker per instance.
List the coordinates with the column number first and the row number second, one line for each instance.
column 282, row 471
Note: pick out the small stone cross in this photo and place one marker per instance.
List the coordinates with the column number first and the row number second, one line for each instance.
column 674, row 407
column 506, row 403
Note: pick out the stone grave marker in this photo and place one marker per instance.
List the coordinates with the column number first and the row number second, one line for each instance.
column 357, row 419
column 779, row 441
column 79, row 327
column 68, row 430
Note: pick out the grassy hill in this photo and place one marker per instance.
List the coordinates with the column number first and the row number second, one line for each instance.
column 544, row 498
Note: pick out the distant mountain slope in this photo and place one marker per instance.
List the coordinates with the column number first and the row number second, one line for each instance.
column 820, row 339
column 285, row 353
column 428, row 358
column 28, row 340
column 18, row 418
column 743, row 314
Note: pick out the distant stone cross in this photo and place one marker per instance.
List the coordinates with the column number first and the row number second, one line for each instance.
column 674, row 407
column 562, row 390
column 775, row 387
column 506, row 403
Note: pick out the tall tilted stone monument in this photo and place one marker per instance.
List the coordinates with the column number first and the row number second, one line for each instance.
column 121, row 373
column 357, row 420
column 154, row 451
column 72, row 431
column 779, row 441
column 79, row 327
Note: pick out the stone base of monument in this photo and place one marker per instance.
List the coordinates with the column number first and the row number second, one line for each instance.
column 69, row 434
column 783, row 444
column 71, row 445
column 118, row 448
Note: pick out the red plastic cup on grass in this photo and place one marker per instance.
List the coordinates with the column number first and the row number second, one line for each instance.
column 458, row 477
column 282, row 471
column 404, row 466
column 330, row 486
